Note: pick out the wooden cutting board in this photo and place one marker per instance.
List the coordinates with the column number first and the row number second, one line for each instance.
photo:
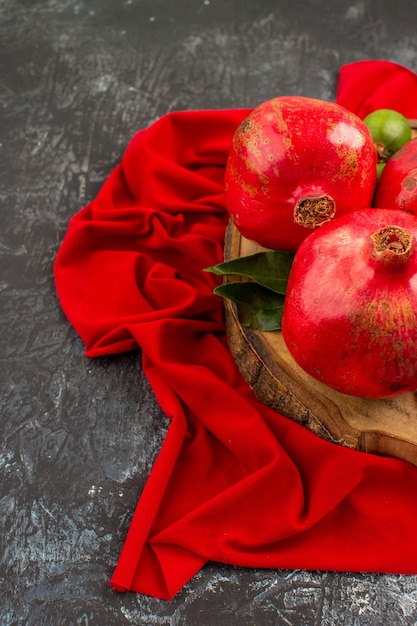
column 385, row 427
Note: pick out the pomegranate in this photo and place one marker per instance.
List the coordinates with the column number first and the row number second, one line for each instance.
column 350, row 312
column 397, row 188
column 296, row 163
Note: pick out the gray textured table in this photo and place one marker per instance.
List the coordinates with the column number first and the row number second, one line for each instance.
column 78, row 436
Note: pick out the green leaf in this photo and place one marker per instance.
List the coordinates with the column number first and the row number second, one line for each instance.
column 270, row 269
column 257, row 307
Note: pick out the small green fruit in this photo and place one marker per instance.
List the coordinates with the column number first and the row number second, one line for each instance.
column 390, row 130
column 380, row 166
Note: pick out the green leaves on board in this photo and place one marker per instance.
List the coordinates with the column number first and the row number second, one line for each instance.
column 260, row 300
column 270, row 269
column 257, row 307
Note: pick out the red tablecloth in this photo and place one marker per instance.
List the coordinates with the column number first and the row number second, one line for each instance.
column 234, row 482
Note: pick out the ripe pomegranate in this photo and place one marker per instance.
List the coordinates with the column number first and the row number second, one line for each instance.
column 397, row 188
column 350, row 312
column 296, row 163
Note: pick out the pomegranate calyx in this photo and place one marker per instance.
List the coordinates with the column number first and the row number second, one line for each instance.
column 392, row 245
column 314, row 211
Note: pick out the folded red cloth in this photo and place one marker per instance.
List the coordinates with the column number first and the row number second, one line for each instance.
column 366, row 86
column 234, row 482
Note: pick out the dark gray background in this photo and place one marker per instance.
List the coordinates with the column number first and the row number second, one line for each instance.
column 78, row 437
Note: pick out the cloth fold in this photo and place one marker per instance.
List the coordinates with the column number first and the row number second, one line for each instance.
column 234, row 481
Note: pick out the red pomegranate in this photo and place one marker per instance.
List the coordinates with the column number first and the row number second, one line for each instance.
column 397, row 188
column 296, row 163
column 350, row 312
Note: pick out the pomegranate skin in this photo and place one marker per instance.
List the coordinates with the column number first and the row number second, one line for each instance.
column 350, row 312
column 397, row 188
column 296, row 163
